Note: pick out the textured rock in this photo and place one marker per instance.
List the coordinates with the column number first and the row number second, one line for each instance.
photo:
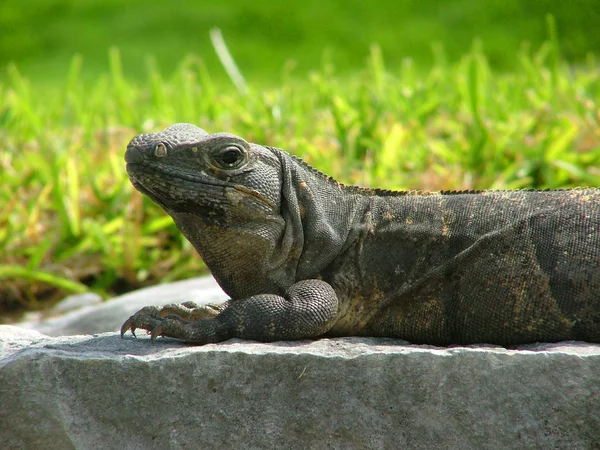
column 110, row 315
column 104, row 392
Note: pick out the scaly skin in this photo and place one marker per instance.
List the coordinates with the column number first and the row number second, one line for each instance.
column 302, row 256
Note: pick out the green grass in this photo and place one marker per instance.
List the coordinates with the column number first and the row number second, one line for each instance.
column 71, row 221
column 41, row 36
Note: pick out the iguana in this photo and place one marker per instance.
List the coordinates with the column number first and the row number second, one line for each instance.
column 303, row 256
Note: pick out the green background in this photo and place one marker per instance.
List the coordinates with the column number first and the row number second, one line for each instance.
column 41, row 36
column 393, row 94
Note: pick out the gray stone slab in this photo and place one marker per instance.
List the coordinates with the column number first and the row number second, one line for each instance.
column 106, row 392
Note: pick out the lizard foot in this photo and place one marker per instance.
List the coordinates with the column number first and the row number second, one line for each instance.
column 191, row 310
column 160, row 321
column 151, row 319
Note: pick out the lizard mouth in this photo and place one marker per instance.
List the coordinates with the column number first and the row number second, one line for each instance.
column 137, row 171
column 169, row 188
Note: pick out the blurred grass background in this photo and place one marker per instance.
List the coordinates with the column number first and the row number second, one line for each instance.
column 400, row 95
column 41, row 36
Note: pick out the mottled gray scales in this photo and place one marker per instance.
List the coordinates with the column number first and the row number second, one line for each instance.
column 302, row 256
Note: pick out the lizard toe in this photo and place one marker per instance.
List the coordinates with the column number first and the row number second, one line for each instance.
column 156, row 331
column 147, row 318
column 128, row 325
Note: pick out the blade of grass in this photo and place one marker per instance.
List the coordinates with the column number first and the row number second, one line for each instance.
column 220, row 47
column 13, row 271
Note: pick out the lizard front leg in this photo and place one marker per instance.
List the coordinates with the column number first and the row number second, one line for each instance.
column 308, row 309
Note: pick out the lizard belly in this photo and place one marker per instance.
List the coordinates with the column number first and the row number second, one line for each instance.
column 356, row 309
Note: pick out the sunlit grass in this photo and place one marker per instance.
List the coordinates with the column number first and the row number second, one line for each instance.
column 70, row 219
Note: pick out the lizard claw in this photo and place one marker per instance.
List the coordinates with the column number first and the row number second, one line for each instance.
column 146, row 318
column 156, row 331
column 128, row 325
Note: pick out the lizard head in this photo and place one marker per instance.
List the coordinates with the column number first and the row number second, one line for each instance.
column 225, row 196
column 260, row 218
column 186, row 170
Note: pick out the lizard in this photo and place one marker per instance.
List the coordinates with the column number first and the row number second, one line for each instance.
column 302, row 256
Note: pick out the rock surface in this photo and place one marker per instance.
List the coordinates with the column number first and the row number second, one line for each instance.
column 105, row 392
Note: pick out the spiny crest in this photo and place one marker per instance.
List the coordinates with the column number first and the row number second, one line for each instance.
column 369, row 191
column 346, row 187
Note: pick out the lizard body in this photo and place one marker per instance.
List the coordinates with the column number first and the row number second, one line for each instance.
column 302, row 256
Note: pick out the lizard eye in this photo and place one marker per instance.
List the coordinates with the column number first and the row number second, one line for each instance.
column 160, row 151
column 230, row 157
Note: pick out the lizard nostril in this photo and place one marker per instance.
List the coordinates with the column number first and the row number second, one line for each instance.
column 133, row 155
